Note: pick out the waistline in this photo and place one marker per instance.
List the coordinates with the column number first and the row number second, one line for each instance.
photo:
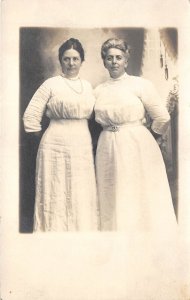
column 115, row 128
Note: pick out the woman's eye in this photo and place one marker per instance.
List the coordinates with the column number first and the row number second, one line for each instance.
column 66, row 59
column 109, row 58
column 75, row 58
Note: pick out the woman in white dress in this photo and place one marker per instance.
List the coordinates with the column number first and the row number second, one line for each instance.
column 65, row 197
column 133, row 189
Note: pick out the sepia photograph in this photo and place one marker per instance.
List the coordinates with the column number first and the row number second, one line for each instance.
column 95, row 150
column 60, row 176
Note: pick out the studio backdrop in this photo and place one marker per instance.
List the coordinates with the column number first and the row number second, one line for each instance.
column 153, row 55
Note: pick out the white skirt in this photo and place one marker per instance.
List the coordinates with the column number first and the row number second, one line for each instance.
column 66, row 197
column 133, row 188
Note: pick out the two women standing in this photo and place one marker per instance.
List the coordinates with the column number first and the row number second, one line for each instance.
column 132, row 188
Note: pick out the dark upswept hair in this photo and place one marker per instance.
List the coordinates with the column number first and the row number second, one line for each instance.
column 71, row 44
column 114, row 43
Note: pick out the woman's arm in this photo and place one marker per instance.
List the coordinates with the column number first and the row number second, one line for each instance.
column 155, row 108
column 34, row 112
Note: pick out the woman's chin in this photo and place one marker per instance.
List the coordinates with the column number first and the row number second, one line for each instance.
column 115, row 74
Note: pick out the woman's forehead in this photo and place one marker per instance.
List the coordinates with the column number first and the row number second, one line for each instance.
column 115, row 51
column 71, row 53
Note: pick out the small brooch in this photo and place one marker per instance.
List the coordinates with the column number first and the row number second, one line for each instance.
column 114, row 128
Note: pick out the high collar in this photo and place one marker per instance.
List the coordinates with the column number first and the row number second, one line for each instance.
column 124, row 76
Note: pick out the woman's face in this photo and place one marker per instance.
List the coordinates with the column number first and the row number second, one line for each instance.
column 71, row 63
column 115, row 62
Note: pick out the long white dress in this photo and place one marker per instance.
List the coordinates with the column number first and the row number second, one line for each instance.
column 133, row 189
column 66, row 198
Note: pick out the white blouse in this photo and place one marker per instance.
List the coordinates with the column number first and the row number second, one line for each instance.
column 126, row 99
column 59, row 98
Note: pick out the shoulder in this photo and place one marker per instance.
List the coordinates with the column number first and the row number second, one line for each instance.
column 86, row 83
column 52, row 80
column 100, row 87
column 138, row 80
column 142, row 84
column 148, row 87
column 50, row 83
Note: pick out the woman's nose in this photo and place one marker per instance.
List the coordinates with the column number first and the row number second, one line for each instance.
column 71, row 62
column 114, row 60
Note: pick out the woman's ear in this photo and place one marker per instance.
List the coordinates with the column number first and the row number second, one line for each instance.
column 126, row 63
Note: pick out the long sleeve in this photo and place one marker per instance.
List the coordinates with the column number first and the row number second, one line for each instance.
column 155, row 108
column 35, row 109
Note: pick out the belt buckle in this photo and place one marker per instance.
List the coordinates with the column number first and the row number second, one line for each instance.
column 114, row 128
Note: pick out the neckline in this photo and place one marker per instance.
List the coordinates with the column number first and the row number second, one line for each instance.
column 72, row 86
column 123, row 76
column 71, row 79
